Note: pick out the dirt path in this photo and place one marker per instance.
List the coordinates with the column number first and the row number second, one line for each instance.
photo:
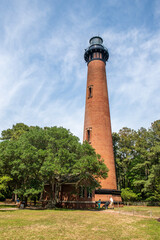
column 8, row 209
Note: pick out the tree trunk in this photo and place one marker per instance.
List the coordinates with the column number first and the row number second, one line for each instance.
column 26, row 199
column 15, row 197
column 57, row 191
column 52, row 182
column 34, row 201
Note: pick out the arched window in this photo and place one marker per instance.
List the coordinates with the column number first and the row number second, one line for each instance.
column 89, row 135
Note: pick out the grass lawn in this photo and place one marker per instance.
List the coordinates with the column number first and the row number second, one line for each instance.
column 75, row 224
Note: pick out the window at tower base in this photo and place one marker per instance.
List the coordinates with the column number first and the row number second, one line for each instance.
column 88, row 135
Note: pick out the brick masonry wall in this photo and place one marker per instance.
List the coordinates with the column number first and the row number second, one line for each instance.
column 68, row 194
column 97, row 118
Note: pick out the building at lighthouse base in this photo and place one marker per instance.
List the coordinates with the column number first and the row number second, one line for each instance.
column 75, row 193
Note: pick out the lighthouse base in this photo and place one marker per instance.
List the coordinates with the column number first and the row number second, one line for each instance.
column 105, row 195
column 70, row 197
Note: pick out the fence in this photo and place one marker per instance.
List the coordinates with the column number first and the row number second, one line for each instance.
column 141, row 203
column 143, row 210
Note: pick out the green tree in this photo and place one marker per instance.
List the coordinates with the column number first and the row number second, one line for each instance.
column 141, row 162
column 128, row 195
column 67, row 158
column 47, row 155
column 4, row 180
column 152, row 184
column 137, row 157
column 14, row 133
column 123, row 145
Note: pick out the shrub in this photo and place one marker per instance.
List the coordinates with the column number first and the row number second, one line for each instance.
column 128, row 195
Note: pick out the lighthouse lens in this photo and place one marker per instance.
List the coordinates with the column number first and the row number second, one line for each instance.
column 96, row 40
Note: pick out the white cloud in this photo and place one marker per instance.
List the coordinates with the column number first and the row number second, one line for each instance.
column 43, row 74
column 40, row 76
column 134, row 78
column 157, row 11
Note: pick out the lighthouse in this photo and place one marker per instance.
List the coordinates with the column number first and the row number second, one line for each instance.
column 97, row 123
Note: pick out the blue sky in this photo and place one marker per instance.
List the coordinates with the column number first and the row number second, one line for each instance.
column 42, row 69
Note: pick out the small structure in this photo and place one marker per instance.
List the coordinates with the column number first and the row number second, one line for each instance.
column 74, row 192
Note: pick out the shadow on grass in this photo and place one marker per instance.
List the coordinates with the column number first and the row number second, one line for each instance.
column 64, row 209
column 7, row 206
column 5, row 210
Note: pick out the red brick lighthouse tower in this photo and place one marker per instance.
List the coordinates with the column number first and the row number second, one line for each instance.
column 97, row 124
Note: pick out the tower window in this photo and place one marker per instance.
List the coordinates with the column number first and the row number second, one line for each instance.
column 100, row 55
column 88, row 135
column 90, row 91
column 97, row 54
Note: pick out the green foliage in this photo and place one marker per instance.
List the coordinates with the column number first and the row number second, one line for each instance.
column 34, row 156
column 4, row 180
column 137, row 157
column 128, row 195
column 14, row 133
